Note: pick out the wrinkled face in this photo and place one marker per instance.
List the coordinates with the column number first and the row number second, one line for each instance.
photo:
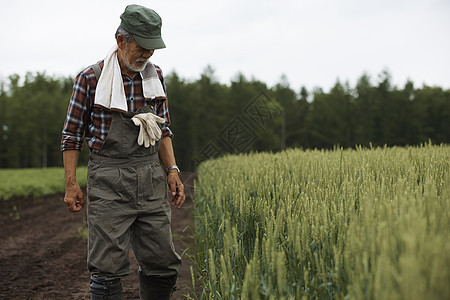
column 133, row 56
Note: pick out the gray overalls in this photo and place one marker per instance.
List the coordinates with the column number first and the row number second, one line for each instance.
column 127, row 204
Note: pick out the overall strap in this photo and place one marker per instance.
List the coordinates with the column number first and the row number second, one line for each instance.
column 97, row 70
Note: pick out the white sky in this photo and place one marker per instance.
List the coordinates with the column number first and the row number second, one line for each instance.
column 312, row 42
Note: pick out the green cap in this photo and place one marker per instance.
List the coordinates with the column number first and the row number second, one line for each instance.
column 145, row 26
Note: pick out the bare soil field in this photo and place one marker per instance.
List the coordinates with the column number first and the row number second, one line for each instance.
column 42, row 255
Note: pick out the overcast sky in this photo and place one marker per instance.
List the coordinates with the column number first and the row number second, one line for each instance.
column 312, row 42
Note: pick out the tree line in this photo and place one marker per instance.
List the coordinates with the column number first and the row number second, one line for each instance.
column 211, row 119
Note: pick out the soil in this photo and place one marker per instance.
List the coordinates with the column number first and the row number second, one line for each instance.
column 43, row 256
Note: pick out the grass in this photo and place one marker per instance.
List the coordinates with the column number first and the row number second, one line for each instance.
column 35, row 182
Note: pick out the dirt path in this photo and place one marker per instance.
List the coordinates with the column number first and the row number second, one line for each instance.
column 42, row 257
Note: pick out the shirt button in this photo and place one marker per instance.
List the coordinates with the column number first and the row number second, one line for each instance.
column 131, row 98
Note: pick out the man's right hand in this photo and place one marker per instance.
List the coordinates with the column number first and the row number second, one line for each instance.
column 74, row 197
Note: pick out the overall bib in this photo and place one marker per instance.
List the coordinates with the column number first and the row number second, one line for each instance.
column 127, row 204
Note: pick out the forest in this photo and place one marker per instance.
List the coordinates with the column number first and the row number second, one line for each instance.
column 210, row 119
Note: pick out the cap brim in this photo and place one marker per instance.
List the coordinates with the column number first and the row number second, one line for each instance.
column 150, row 44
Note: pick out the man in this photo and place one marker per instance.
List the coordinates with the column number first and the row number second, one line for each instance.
column 123, row 115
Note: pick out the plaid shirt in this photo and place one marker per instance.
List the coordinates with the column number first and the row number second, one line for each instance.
column 83, row 118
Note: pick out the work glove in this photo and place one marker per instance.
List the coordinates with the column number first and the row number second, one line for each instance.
column 149, row 131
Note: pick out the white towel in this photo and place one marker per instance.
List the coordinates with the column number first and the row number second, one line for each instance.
column 110, row 93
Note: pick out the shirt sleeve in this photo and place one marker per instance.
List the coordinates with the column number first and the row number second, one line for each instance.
column 76, row 119
column 162, row 108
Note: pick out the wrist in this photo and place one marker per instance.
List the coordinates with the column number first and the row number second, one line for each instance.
column 173, row 169
column 71, row 180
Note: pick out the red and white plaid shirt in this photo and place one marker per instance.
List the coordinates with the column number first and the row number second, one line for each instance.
column 93, row 123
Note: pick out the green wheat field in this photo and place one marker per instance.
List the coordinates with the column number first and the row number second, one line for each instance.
column 341, row 224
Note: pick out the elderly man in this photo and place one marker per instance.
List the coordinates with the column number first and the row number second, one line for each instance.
column 120, row 107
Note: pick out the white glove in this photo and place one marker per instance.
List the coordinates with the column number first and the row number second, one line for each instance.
column 142, row 132
column 149, row 131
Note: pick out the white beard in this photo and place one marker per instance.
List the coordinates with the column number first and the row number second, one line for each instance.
column 133, row 66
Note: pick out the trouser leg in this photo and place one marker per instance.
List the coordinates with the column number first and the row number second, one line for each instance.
column 105, row 289
column 110, row 213
column 151, row 238
column 153, row 247
column 156, row 288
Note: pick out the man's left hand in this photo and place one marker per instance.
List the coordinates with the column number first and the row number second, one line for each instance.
column 176, row 188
